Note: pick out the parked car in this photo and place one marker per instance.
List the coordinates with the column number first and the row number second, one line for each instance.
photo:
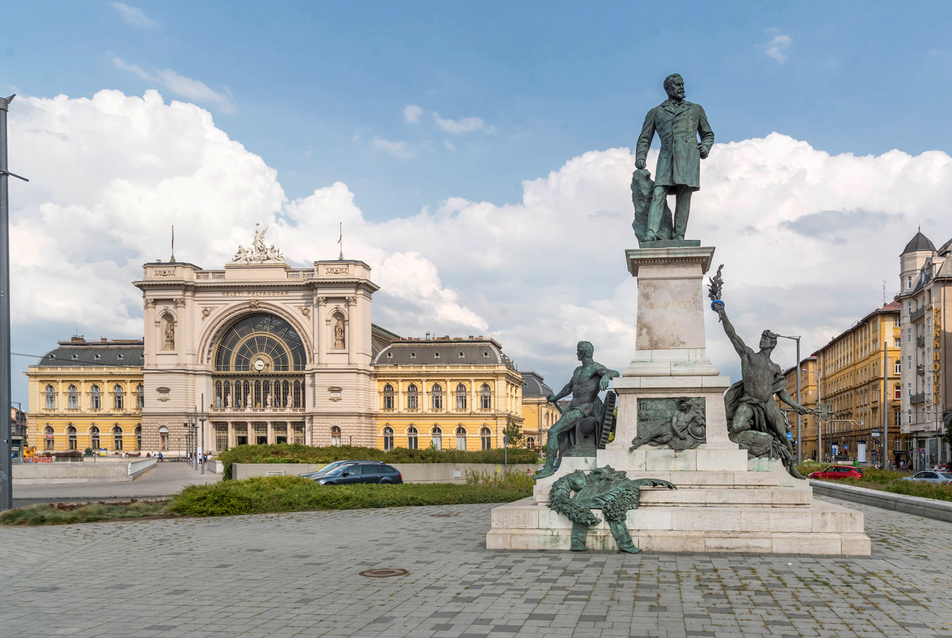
column 350, row 472
column 838, row 472
column 330, row 467
column 931, row 476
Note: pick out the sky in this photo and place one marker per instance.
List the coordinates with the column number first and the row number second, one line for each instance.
column 478, row 155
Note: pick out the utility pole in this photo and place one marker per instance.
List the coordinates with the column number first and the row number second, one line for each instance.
column 6, row 433
column 799, row 438
column 202, row 419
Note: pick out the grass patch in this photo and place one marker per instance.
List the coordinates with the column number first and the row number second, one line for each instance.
column 288, row 453
column 513, row 480
column 886, row 481
column 260, row 495
column 49, row 514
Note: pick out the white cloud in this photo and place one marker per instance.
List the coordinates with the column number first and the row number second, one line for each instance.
column 464, row 125
column 400, row 149
column 412, row 113
column 777, row 47
column 134, row 17
column 806, row 237
column 178, row 84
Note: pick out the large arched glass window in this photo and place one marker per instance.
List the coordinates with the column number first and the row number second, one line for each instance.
column 262, row 337
column 117, row 437
column 118, row 397
column 461, row 438
column 460, row 397
column 485, row 397
column 140, row 397
column 413, row 397
column 412, row 438
column 437, row 396
column 95, row 398
column 48, row 438
column 72, row 394
column 436, row 438
column 50, row 397
column 94, row 438
column 335, row 436
column 387, row 439
column 388, row 397
column 486, row 438
column 71, row 437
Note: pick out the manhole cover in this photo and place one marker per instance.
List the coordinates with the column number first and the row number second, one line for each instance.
column 384, row 573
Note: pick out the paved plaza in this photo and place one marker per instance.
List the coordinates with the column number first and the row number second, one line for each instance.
column 299, row 574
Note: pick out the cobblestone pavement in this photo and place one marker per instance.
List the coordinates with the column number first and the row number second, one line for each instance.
column 300, row 575
column 165, row 479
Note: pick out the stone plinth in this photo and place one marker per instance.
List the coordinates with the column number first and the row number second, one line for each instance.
column 725, row 502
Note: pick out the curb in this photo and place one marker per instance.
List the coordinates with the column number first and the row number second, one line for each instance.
column 927, row 507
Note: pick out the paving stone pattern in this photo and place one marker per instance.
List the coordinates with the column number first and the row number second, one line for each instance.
column 298, row 575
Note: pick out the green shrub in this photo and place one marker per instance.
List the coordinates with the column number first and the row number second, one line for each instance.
column 49, row 514
column 512, row 480
column 922, row 489
column 288, row 453
column 261, row 495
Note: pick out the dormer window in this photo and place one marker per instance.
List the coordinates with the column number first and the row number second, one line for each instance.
column 97, row 357
column 436, row 355
column 485, row 354
column 118, row 357
column 390, row 355
column 461, row 355
column 75, row 356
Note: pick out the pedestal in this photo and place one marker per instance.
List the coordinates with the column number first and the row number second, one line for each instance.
column 724, row 502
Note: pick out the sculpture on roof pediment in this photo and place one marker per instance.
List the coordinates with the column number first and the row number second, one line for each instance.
column 259, row 252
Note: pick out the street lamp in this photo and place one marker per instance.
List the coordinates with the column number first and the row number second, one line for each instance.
column 799, row 446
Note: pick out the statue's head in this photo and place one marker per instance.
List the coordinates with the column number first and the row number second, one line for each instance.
column 585, row 349
column 674, row 86
column 768, row 340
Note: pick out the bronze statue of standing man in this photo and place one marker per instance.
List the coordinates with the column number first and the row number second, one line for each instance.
column 679, row 124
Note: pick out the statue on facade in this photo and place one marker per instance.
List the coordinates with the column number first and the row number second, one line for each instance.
column 603, row 488
column 259, row 253
column 679, row 124
column 588, row 380
column 339, row 334
column 169, row 334
column 755, row 421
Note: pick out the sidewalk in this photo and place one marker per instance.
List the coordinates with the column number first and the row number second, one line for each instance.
column 303, row 574
column 165, row 479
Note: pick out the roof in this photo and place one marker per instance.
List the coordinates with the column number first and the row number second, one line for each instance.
column 443, row 351
column 888, row 309
column 534, row 386
column 77, row 352
column 918, row 243
column 380, row 338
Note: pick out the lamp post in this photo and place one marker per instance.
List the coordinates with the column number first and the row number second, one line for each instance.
column 799, row 438
column 202, row 450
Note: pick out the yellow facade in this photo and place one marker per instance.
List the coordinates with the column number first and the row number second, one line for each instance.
column 87, row 395
column 851, row 382
column 445, row 393
column 537, row 413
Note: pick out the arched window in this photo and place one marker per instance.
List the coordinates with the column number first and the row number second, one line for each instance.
column 413, row 397
column 485, row 397
column 71, row 437
column 530, row 441
column 138, row 438
column 335, row 436
column 48, row 438
column 50, row 397
column 298, row 398
column 460, row 438
column 95, row 398
column 72, row 394
column 388, row 397
column 163, row 438
column 140, row 397
column 486, row 437
column 460, row 397
column 436, row 438
column 437, row 395
column 117, row 438
column 387, row 439
column 94, row 438
column 118, row 397
column 412, row 438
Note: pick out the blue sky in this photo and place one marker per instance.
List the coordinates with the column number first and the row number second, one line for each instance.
column 424, row 110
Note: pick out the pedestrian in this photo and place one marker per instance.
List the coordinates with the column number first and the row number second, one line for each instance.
column 160, row 457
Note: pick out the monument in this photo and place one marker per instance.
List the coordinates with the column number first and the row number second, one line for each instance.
column 737, row 487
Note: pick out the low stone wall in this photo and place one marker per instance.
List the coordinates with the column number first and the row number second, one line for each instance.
column 927, row 507
column 411, row 472
column 51, row 473
column 137, row 468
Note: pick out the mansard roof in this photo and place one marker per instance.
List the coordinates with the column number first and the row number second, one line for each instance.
column 77, row 352
column 534, row 386
column 918, row 243
column 444, row 351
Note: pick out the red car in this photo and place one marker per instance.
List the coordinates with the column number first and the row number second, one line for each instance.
column 838, row 472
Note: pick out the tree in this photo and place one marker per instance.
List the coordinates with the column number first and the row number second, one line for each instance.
column 514, row 432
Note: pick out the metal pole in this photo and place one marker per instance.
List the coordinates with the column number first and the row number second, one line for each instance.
column 202, row 419
column 883, row 461
column 799, row 438
column 819, row 402
column 6, row 442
